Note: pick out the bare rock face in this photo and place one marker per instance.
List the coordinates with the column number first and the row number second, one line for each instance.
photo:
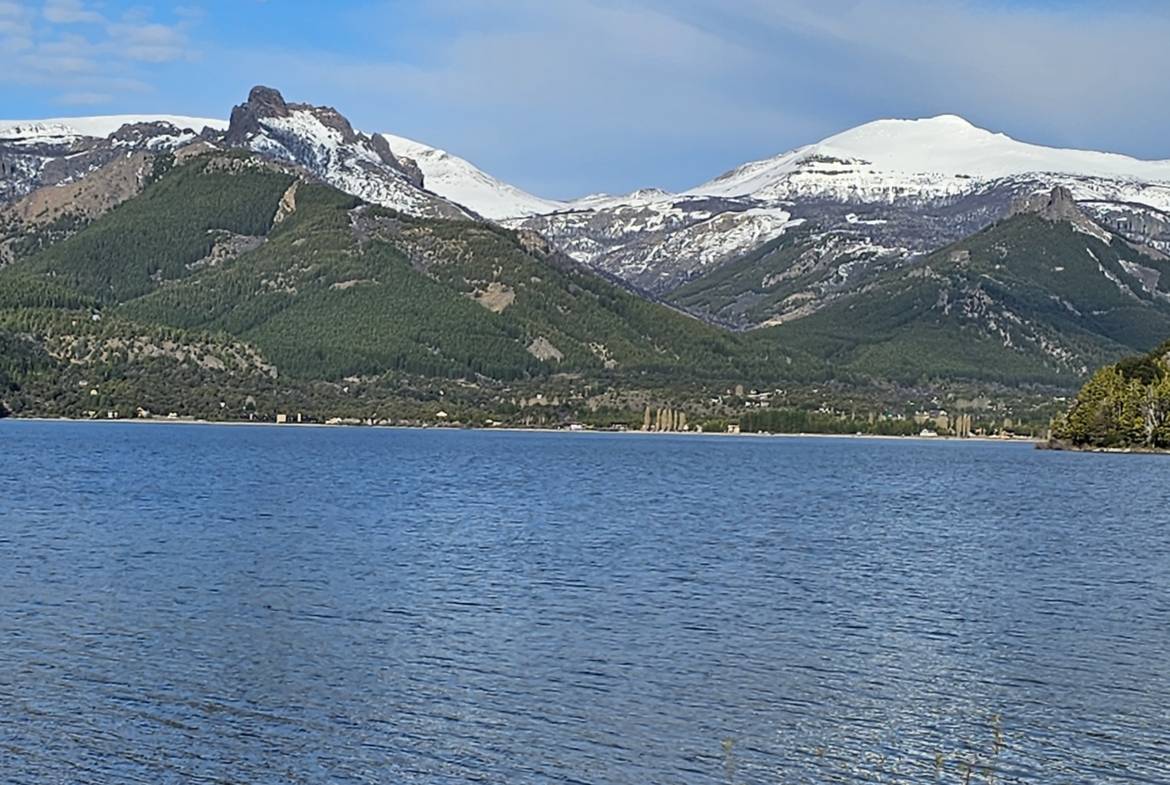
column 1059, row 206
column 140, row 134
column 1056, row 205
column 542, row 349
column 245, row 120
column 405, row 165
column 288, row 204
column 534, row 242
column 324, row 144
column 267, row 103
column 29, row 161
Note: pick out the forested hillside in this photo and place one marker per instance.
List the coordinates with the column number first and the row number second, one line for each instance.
column 1028, row 300
column 232, row 276
column 245, row 278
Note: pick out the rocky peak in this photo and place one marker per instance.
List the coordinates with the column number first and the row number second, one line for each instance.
column 138, row 133
column 331, row 118
column 245, row 120
column 1055, row 205
column 1058, row 205
column 267, row 102
column 408, row 166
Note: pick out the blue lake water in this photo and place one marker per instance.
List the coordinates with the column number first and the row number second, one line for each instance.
column 291, row 605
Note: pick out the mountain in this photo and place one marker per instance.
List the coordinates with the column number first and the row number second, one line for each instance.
column 635, row 230
column 432, row 267
column 1040, row 297
column 461, row 182
column 878, row 195
column 945, row 156
column 657, row 241
column 318, row 139
column 61, row 174
column 321, row 140
column 790, row 277
column 237, row 270
column 884, row 192
column 882, row 195
column 63, row 130
column 36, row 153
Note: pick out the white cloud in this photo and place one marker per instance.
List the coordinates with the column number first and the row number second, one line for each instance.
column 83, row 55
column 69, row 12
column 1072, row 73
column 148, row 42
column 577, row 95
column 701, row 80
column 572, row 88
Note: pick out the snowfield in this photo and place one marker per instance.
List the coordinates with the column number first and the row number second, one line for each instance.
column 65, row 129
column 938, row 156
column 463, row 183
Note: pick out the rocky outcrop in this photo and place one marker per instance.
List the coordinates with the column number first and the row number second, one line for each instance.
column 405, row 165
column 1055, row 205
column 323, row 142
column 29, row 163
column 1059, row 205
column 288, row 204
column 542, row 349
column 245, row 120
column 266, row 103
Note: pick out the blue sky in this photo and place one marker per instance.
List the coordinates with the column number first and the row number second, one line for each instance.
column 566, row 97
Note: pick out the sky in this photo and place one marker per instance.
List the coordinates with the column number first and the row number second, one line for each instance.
column 568, row 97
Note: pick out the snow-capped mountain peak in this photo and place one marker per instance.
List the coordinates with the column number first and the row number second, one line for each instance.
column 321, row 140
column 936, row 150
column 462, row 182
column 37, row 153
column 638, row 198
column 64, row 129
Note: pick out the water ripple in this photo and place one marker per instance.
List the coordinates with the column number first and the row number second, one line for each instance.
column 262, row 605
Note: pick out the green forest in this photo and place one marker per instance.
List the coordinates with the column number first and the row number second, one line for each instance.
column 232, row 288
column 1122, row 406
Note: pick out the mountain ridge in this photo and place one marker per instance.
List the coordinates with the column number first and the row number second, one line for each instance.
column 945, row 145
column 947, row 140
column 778, row 239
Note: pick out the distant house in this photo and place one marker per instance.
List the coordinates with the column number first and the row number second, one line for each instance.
column 281, row 418
column 733, row 428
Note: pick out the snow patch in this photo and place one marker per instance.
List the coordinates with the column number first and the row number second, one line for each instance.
column 944, row 152
column 462, row 182
column 64, row 129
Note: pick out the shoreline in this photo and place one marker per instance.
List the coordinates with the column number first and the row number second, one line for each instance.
column 1039, row 443
column 1055, row 445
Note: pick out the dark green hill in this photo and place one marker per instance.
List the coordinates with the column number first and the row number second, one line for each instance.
column 786, row 277
column 239, row 276
column 164, row 232
column 324, row 288
column 1027, row 300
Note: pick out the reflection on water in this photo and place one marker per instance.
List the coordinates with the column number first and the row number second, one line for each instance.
column 262, row 605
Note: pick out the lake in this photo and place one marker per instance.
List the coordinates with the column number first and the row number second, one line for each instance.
column 185, row 603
